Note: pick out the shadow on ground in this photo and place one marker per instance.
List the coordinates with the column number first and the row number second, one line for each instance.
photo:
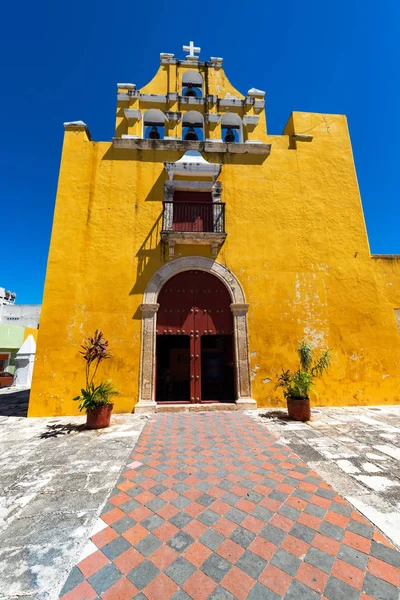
column 54, row 431
column 14, row 404
column 276, row 414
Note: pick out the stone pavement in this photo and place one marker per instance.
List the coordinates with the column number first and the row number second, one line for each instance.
column 211, row 506
column 354, row 449
column 55, row 477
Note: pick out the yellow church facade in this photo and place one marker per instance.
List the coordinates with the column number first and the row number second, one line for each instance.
column 206, row 249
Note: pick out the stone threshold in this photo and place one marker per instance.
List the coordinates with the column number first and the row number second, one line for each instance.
column 165, row 407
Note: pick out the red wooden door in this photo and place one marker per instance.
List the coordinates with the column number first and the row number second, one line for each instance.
column 194, row 303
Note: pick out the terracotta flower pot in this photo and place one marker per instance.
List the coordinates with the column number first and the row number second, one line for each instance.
column 299, row 409
column 99, row 417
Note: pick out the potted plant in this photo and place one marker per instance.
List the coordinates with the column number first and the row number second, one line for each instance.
column 95, row 400
column 298, row 384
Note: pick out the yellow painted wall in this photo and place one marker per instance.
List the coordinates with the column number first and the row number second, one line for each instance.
column 296, row 241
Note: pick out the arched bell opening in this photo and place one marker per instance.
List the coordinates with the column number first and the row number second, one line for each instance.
column 192, row 84
column 193, row 126
column 231, row 128
column 153, row 124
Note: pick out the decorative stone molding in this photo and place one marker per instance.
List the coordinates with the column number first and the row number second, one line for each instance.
column 251, row 119
column 150, row 307
column 213, row 117
column 249, row 147
column 133, row 113
column 303, row 137
column 173, row 116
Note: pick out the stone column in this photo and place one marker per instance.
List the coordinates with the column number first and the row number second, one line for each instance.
column 147, row 403
column 242, row 360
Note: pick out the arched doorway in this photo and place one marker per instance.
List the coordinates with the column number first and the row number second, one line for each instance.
column 194, row 342
column 147, row 375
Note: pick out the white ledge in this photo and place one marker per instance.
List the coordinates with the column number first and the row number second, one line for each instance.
column 251, row 119
column 256, row 93
column 127, row 86
column 132, row 113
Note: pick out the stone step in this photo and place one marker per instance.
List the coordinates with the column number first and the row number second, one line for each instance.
column 165, row 407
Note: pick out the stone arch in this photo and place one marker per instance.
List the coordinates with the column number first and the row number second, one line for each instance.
column 149, row 309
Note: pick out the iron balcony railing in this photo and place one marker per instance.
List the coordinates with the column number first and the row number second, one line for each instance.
column 194, row 217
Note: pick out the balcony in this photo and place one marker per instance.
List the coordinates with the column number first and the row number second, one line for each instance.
column 193, row 223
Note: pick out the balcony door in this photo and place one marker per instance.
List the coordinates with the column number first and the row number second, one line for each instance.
column 192, row 211
column 194, row 345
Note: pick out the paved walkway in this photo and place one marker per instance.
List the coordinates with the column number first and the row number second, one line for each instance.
column 211, row 506
column 355, row 449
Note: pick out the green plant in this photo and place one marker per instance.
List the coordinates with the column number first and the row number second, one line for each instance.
column 298, row 384
column 94, row 351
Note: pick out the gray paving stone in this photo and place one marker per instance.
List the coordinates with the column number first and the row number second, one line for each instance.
column 332, row 531
column 141, row 575
column 123, row 524
column 242, row 536
column 319, row 559
column 251, row 563
column 323, row 493
column 386, row 554
column 353, row 557
column 158, row 489
column 216, row 567
column 341, row 509
column 180, row 488
column 277, row 495
column 285, row 561
column 179, row 595
column 299, row 591
column 303, row 533
column 230, row 498
column 315, row 511
column 208, row 517
column 264, row 514
column 226, row 485
column 180, row 541
column 235, row 515
column 148, row 545
column 289, row 512
column 203, row 486
column 260, row 592
column 205, row 500
column 254, row 497
column 338, row 590
column 360, row 528
column 302, row 494
column 129, row 506
column 377, row 588
column 105, row 578
column 273, row 534
column 156, row 504
column 115, row 548
column 180, row 570
column 212, row 539
column 74, row 579
column 180, row 520
column 220, row 594
column 152, row 522
column 180, row 502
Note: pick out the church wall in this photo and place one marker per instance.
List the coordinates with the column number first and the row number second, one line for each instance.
column 296, row 240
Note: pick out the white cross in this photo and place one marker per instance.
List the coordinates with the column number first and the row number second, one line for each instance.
column 191, row 49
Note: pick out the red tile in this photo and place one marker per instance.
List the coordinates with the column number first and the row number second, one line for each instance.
column 310, row 521
column 384, row 571
column 357, row 541
column 121, row 590
column 326, row 544
column 263, row 548
column 91, row 564
column 335, row 519
column 253, row 524
column 83, row 591
column 167, row 511
column 295, row 546
column 281, row 522
column 237, row 583
column 355, row 515
column 192, row 493
column 161, row 587
column 378, row 537
column 165, row 531
column 224, row 526
column 286, row 489
column 145, row 497
column 135, row 534
column 193, row 509
column 312, row 577
column 125, row 485
column 104, row 537
column 230, row 550
column 270, row 504
column 216, row 492
column 349, row 574
column 163, row 557
column 197, row 553
column 239, row 490
column 220, row 507
column 113, row 515
column 296, row 503
column 169, row 495
column 128, row 560
column 195, row 528
column 140, row 513
column 120, row 499
column 148, row 483
column 276, row 580
column 198, row 586
column 319, row 501
column 245, row 505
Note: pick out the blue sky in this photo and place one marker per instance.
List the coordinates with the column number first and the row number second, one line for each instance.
column 61, row 62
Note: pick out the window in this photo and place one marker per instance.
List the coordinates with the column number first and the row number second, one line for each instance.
column 153, row 124
column 192, row 84
column 193, row 126
column 231, row 128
